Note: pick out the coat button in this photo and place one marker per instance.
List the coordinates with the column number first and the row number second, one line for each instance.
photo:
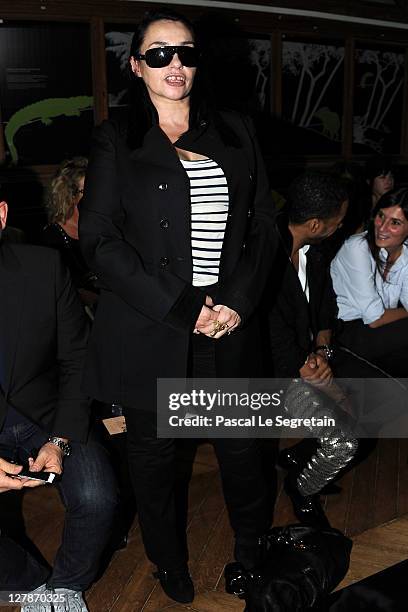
column 164, row 261
column 164, row 223
column 163, row 186
column 251, row 178
column 229, row 215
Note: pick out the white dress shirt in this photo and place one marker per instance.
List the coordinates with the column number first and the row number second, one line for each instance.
column 361, row 291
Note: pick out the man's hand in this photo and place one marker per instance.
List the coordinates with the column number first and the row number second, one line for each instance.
column 8, row 483
column 316, row 370
column 49, row 459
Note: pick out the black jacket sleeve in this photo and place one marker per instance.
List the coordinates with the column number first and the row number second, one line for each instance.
column 72, row 411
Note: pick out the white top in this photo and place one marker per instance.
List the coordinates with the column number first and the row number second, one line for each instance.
column 209, row 213
column 302, row 269
column 361, row 291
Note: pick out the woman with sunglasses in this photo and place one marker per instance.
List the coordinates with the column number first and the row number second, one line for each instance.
column 176, row 222
column 370, row 278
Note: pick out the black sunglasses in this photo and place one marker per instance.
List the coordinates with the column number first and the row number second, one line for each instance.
column 159, row 57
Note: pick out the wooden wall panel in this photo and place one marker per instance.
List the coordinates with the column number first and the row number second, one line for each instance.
column 100, row 87
column 122, row 11
column 97, row 12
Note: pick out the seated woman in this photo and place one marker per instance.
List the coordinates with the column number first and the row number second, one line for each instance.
column 370, row 279
column 61, row 233
column 380, row 177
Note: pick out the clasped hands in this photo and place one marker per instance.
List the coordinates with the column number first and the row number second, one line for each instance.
column 216, row 320
column 317, row 372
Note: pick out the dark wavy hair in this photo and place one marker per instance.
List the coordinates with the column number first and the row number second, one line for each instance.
column 395, row 197
column 143, row 114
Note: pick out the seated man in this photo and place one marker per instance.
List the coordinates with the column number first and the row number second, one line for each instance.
column 42, row 343
column 301, row 311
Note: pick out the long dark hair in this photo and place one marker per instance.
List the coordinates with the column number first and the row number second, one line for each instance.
column 143, row 114
column 395, row 197
column 377, row 166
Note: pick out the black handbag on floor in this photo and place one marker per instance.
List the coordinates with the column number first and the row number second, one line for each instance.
column 302, row 566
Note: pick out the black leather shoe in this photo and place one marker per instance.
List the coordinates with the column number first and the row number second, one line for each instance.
column 176, row 583
column 307, row 508
column 250, row 554
column 297, row 456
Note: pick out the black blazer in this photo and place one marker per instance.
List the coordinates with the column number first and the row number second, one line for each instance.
column 293, row 321
column 135, row 235
column 43, row 341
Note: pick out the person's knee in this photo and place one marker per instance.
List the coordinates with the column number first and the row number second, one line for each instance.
column 98, row 499
column 89, row 487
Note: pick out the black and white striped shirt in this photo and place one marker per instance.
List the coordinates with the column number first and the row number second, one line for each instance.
column 209, row 212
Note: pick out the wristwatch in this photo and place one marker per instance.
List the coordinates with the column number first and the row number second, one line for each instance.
column 64, row 446
column 327, row 350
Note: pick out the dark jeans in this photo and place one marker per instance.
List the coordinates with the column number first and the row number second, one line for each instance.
column 88, row 492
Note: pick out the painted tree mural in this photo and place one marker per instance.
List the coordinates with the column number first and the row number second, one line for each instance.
column 309, row 87
column 117, row 52
column 378, row 99
column 260, row 58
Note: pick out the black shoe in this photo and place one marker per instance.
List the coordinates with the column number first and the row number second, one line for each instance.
column 176, row 583
column 296, row 456
column 307, row 508
column 250, row 554
column 236, row 580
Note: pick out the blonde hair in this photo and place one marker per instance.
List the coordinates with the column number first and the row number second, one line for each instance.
column 64, row 188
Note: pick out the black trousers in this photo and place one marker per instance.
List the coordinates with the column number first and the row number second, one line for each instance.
column 385, row 346
column 152, row 465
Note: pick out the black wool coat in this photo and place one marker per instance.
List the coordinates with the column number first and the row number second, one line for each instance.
column 135, row 235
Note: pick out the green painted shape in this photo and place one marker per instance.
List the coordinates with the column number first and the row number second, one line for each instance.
column 44, row 111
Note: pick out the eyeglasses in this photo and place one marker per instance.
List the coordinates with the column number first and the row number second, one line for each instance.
column 159, row 57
